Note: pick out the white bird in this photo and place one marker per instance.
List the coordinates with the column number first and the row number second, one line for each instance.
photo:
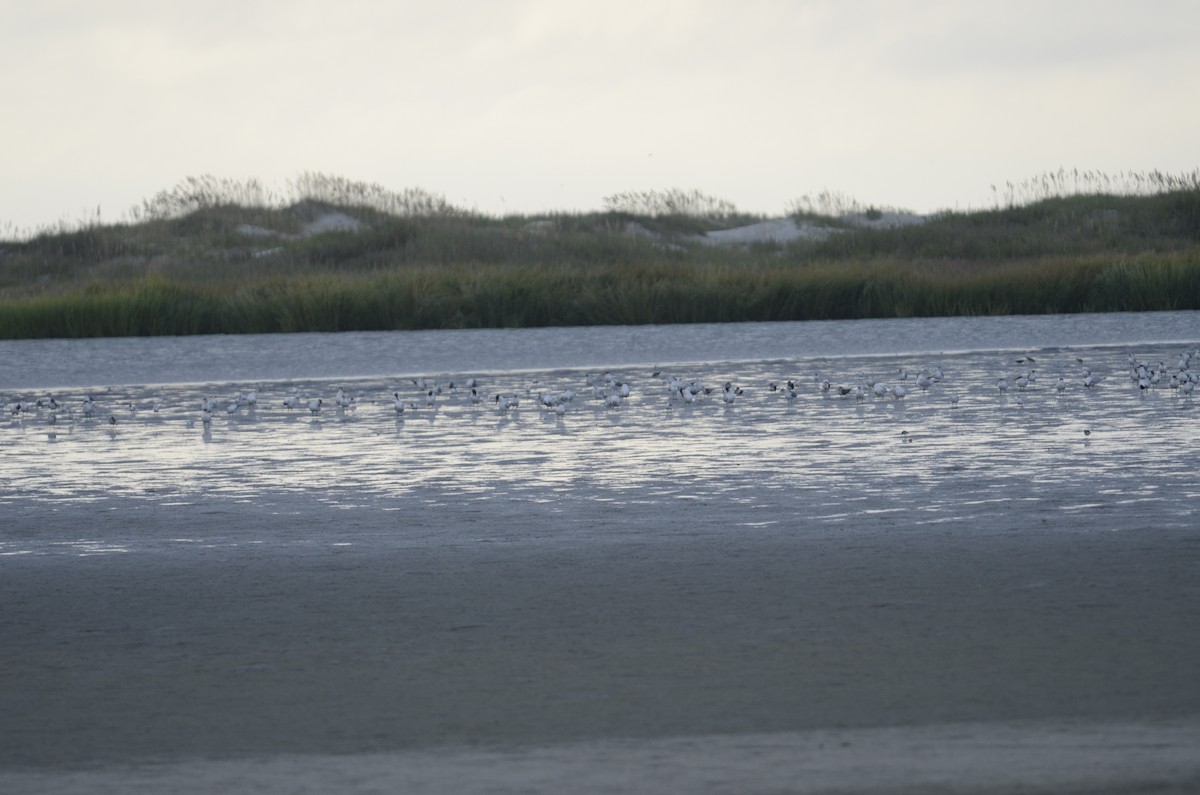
column 1061, row 386
column 314, row 406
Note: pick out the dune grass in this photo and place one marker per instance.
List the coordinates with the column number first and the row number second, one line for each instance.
column 195, row 262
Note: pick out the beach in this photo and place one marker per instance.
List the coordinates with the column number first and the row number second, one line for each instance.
column 807, row 594
column 373, row 647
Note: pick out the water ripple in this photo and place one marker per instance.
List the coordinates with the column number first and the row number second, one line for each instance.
column 777, row 464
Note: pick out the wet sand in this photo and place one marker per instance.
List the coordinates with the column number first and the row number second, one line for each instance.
column 142, row 668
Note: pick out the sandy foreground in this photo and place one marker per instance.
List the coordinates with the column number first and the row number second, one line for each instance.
column 253, row 657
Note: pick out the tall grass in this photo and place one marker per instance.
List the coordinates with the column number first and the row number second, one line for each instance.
column 692, row 203
column 661, row 292
column 207, row 191
column 1063, row 183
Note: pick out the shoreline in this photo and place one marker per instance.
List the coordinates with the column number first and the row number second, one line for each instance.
column 368, row 645
column 1035, row 758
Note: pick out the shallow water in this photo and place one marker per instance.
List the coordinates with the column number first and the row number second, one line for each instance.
column 1081, row 459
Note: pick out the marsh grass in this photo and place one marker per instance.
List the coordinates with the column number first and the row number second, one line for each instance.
column 459, row 296
column 415, row 262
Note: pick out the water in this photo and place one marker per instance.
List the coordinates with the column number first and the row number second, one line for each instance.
column 90, row 363
column 1077, row 459
column 353, row 592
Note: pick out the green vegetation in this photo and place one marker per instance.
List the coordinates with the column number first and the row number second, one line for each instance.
column 222, row 257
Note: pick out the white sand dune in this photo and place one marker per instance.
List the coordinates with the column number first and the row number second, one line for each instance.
column 778, row 230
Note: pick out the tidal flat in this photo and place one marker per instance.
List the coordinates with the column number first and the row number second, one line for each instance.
column 949, row 587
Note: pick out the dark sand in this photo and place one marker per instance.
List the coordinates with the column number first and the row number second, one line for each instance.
column 291, row 649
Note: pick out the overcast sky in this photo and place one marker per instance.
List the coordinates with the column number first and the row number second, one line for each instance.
column 553, row 105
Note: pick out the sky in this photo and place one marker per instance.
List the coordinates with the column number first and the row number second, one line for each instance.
column 531, row 106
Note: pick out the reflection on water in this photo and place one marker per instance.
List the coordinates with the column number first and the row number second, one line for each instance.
column 765, row 460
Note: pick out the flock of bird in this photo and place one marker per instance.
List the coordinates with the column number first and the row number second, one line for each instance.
column 612, row 392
